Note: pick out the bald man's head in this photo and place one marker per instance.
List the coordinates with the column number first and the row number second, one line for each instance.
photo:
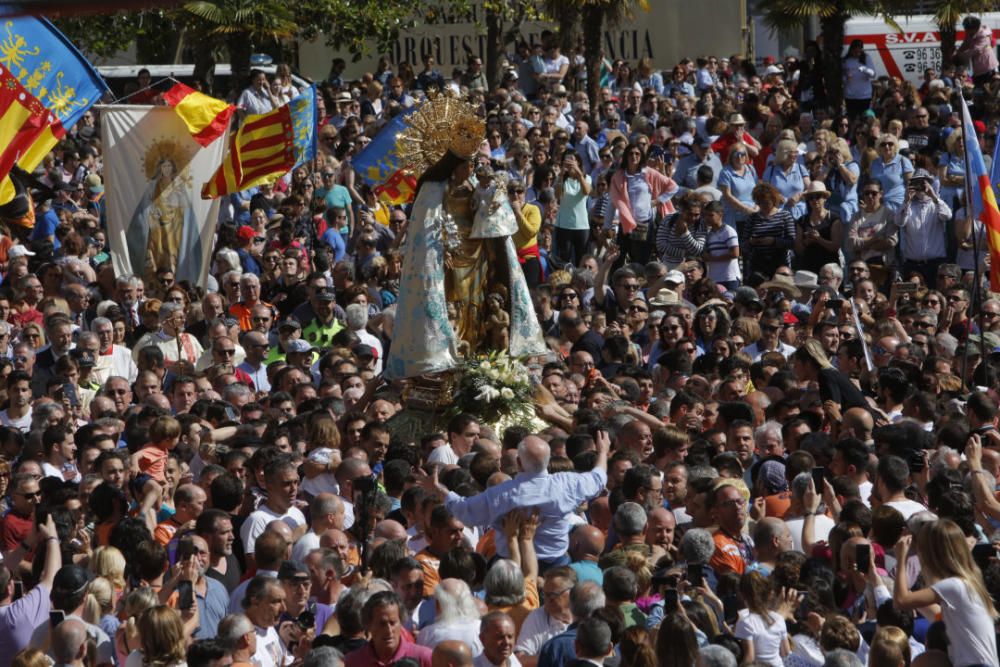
column 533, row 454
column 451, row 653
column 69, row 641
column 858, row 423
column 390, row 530
column 586, row 541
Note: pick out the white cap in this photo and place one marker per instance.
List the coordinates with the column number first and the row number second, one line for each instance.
column 19, row 251
column 675, row 277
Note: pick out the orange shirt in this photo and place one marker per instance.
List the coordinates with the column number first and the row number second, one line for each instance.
column 153, row 461
column 519, row 612
column 165, row 531
column 728, row 556
column 242, row 313
column 429, row 562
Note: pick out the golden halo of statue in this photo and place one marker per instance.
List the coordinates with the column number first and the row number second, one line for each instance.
column 441, row 124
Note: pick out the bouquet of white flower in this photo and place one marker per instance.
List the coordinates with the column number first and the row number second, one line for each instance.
column 496, row 388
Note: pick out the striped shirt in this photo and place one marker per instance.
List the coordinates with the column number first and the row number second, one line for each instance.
column 674, row 248
column 780, row 226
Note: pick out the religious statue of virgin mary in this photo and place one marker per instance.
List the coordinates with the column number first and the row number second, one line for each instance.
column 461, row 280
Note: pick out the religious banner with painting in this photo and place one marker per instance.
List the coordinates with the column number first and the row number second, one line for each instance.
column 153, row 170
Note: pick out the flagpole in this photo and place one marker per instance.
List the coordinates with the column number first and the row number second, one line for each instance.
column 968, row 128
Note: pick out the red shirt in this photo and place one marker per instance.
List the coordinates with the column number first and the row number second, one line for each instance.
column 365, row 656
column 14, row 529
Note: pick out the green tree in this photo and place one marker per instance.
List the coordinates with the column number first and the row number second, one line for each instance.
column 243, row 24
column 594, row 15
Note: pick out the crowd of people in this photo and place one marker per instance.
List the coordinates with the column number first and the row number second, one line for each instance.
column 743, row 455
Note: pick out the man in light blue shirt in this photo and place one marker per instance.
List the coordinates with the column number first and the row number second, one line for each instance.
column 554, row 497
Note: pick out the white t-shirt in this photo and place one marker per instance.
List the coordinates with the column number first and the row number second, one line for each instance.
column 324, row 482
column 538, row 627
column 907, row 507
column 766, row 638
column 270, row 651
column 304, row 546
column 971, row 635
column 22, row 424
column 482, row 661
column 258, row 520
column 444, row 455
column 50, row 470
column 821, row 529
column 716, row 242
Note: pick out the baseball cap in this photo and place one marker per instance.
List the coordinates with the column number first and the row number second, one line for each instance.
column 70, row 579
column 246, row 233
column 290, row 323
column 19, row 251
column 292, row 570
column 921, row 175
column 84, row 358
column 94, row 183
column 675, row 277
column 326, row 294
column 298, row 346
column 747, row 296
column 364, row 351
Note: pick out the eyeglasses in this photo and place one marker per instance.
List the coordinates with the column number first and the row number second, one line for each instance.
column 932, row 302
column 920, row 324
column 887, row 144
column 36, row 494
column 637, row 309
column 768, row 327
column 569, row 295
column 989, row 314
column 872, row 193
column 740, row 154
column 631, row 287
column 228, row 353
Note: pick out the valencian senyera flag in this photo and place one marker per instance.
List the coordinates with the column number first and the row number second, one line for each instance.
column 983, row 206
column 46, row 85
column 267, row 146
column 378, row 164
column 206, row 118
column 152, row 169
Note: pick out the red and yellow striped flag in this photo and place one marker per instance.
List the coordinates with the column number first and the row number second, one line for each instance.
column 260, row 152
column 206, row 117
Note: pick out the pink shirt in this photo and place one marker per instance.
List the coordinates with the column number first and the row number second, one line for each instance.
column 979, row 50
column 365, row 656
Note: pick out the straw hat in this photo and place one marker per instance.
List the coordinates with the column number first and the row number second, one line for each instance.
column 817, row 189
column 783, row 283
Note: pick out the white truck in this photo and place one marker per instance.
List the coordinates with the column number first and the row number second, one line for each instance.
column 908, row 52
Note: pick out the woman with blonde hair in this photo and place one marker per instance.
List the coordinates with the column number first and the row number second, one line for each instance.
column 31, row 657
column 108, row 562
column 99, row 604
column 789, row 176
column 890, row 648
column 842, row 176
column 33, row 335
column 127, row 637
column 163, row 638
column 954, row 585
